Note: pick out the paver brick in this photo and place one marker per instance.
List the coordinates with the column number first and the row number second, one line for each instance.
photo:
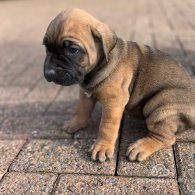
column 168, row 25
column 68, row 93
column 33, row 126
column 1, row 175
column 8, row 74
column 1, row 118
column 66, row 100
column 82, row 184
column 4, row 59
column 61, row 156
column 185, row 159
column 26, row 120
column 44, row 91
column 30, row 76
column 23, row 108
column 61, row 108
column 8, row 151
column 188, row 135
column 27, row 183
column 160, row 164
column 13, row 93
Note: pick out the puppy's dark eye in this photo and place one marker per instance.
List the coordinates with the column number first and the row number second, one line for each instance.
column 70, row 48
column 74, row 49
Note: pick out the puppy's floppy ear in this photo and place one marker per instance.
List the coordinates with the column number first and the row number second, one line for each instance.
column 106, row 36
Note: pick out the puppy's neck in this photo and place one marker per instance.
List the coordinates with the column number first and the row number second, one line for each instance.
column 103, row 69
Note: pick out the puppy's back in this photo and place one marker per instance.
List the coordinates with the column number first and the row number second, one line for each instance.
column 160, row 81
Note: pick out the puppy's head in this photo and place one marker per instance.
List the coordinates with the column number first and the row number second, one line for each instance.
column 75, row 42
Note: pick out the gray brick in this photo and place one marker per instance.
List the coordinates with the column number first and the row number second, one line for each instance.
column 34, row 126
column 188, row 135
column 1, row 118
column 68, row 93
column 8, row 74
column 13, row 93
column 44, row 91
column 61, row 156
column 1, row 175
column 23, row 108
column 82, row 184
column 66, row 101
column 62, row 108
column 27, row 183
column 28, row 78
column 8, row 151
column 185, row 159
column 160, row 164
column 169, row 25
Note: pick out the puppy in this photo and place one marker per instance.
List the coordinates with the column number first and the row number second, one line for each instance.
column 122, row 76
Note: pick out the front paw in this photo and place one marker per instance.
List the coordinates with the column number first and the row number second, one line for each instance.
column 102, row 150
column 73, row 126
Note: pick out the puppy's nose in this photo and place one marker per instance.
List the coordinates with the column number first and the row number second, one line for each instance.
column 49, row 75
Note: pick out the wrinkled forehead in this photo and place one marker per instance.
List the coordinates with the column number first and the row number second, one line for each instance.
column 74, row 28
column 69, row 26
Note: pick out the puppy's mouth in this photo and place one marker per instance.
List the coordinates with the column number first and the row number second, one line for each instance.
column 66, row 80
column 62, row 77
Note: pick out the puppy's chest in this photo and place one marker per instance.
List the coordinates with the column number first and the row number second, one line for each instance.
column 88, row 94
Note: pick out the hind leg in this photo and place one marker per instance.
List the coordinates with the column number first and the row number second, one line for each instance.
column 83, row 113
column 161, row 134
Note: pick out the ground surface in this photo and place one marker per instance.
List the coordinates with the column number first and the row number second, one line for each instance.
column 36, row 157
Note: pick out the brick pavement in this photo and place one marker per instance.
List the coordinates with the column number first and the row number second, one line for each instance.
column 36, row 156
